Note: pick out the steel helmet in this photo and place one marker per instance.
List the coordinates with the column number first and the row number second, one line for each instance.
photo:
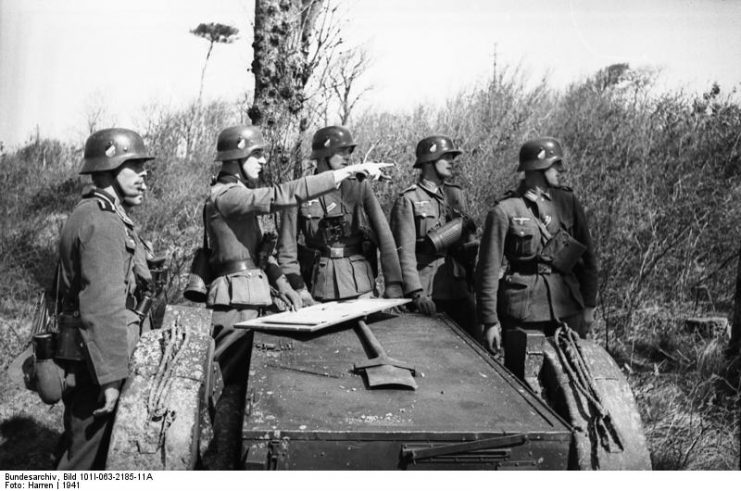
column 328, row 140
column 238, row 142
column 108, row 149
column 432, row 148
column 540, row 154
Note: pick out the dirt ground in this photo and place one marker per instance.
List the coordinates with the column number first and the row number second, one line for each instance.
column 29, row 429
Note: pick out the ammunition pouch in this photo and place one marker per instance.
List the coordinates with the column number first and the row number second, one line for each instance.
column 200, row 276
column 562, row 252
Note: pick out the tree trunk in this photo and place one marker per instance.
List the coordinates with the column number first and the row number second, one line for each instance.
column 281, row 65
column 735, row 343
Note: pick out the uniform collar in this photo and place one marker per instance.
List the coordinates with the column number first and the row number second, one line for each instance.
column 430, row 187
column 533, row 194
column 94, row 192
column 109, row 200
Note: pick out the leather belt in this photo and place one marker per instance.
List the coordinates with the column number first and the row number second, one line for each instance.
column 231, row 267
column 340, row 252
column 530, row 268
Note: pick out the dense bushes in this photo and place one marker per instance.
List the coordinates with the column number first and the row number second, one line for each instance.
column 659, row 175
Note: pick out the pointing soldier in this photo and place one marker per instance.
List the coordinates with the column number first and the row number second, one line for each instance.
column 241, row 289
column 342, row 231
column 97, row 291
column 432, row 230
column 536, row 263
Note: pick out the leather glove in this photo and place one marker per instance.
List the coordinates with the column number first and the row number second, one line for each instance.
column 393, row 290
column 493, row 338
column 288, row 294
column 306, row 298
column 424, row 304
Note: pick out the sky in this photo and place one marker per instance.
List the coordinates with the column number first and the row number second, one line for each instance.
column 62, row 60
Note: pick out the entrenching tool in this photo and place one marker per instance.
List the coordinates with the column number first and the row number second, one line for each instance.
column 381, row 371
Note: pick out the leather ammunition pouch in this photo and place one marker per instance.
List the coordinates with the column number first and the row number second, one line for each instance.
column 562, row 252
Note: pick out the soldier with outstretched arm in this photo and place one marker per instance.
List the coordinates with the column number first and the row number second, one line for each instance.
column 342, row 231
column 240, row 289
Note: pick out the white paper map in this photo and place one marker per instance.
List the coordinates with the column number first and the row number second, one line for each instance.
column 319, row 316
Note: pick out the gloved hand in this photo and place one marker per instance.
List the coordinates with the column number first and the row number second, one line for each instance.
column 288, row 294
column 493, row 338
column 393, row 290
column 424, row 304
column 109, row 394
column 306, row 298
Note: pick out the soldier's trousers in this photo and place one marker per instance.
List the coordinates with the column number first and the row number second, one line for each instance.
column 232, row 346
column 85, row 440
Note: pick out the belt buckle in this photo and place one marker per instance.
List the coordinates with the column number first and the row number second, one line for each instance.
column 336, row 252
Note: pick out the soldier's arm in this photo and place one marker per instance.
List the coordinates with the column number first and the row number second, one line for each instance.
column 586, row 269
column 240, row 200
column 288, row 248
column 386, row 244
column 404, row 231
column 491, row 253
column 102, row 297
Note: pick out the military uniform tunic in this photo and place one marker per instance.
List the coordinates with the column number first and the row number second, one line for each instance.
column 340, row 227
column 234, row 232
column 420, row 209
column 97, row 278
column 512, row 280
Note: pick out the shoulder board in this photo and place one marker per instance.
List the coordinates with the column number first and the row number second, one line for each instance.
column 220, row 188
column 565, row 188
column 410, row 188
column 452, row 185
column 507, row 195
column 105, row 205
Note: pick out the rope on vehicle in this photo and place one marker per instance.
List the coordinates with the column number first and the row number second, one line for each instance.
column 175, row 340
column 601, row 426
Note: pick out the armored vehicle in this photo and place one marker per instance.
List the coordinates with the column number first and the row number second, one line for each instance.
column 385, row 391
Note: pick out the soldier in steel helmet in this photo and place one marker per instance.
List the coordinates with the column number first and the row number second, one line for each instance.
column 99, row 290
column 241, row 288
column 536, row 265
column 433, row 231
column 342, row 230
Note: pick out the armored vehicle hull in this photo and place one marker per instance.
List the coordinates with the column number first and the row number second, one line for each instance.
column 307, row 409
